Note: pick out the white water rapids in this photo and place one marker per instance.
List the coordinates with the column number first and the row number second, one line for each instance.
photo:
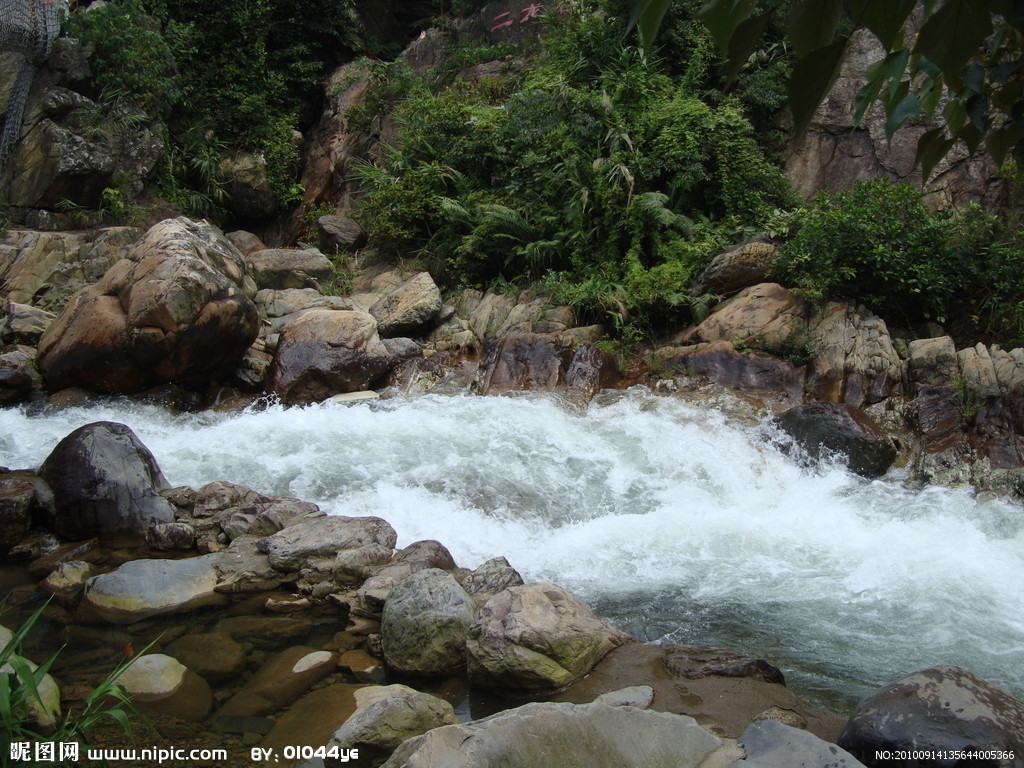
column 676, row 523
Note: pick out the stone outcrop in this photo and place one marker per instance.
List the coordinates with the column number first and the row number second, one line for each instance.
column 836, row 152
column 582, row 736
column 937, row 709
column 71, row 147
column 44, row 269
column 725, row 365
column 105, row 483
column 536, row 637
column 766, row 317
column 326, row 352
column 177, row 310
column 823, row 430
column 424, row 624
column 24, row 324
column 855, row 361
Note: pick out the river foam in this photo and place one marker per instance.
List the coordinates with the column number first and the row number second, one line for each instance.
column 676, row 522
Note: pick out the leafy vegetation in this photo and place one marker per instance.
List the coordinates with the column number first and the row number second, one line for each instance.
column 22, row 696
column 598, row 169
column 879, row 244
column 965, row 59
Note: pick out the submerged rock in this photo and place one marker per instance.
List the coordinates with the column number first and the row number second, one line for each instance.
column 160, row 685
column 279, row 682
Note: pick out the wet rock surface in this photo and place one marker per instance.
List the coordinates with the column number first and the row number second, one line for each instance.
column 936, row 710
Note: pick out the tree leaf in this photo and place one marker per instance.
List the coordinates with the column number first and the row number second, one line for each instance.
column 885, row 18
column 812, row 78
column 907, row 107
column 931, row 148
column 812, row 24
column 1002, row 140
column 722, row 17
column 953, row 35
column 743, row 42
column 646, row 16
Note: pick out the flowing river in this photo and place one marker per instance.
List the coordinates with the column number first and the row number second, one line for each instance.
column 675, row 522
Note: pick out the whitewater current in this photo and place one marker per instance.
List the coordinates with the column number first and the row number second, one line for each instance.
column 677, row 523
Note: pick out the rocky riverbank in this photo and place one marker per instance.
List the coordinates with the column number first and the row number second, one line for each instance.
column 273, row 625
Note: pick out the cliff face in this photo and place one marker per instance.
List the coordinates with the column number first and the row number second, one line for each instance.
column 836, row 151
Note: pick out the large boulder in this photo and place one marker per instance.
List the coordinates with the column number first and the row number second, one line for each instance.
column 566, row 735
column 727, row 366
column 143, row 588
column 18, row 375
column 340, row 234
column 534, row 361
column 939, row 709
column 408, row 307
column 424, row 624
column 177, row 310
column 765, row 316
column 325, row 352
column 536, row 637
column 25, row 324
column 825, row 429
column 105, row 483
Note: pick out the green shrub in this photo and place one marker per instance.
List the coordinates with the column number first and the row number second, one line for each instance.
column 20, row 693
column 594, row 164
column 880, row 245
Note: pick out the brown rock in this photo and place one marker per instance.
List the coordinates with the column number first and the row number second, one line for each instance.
column 325, row 352
column 290, row 267
column 729, row 272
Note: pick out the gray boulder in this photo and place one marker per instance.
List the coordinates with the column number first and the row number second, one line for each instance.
column 324, row 537
column 388, row 715
column 143, row 588
column 340, row 234
column 823, row 429
column 566, row 735
column 536, row 637
column 770, row 744
column 937, row 709
column 290, row 267
column 424, row 624
column 105, row 483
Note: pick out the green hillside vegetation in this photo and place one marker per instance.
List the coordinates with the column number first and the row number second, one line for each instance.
column 574, row 158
